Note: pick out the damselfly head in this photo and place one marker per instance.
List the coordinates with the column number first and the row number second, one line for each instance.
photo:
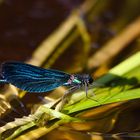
column 90, row 79
column 87, row 79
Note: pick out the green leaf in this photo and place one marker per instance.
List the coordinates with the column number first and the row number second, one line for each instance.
column 121, row 79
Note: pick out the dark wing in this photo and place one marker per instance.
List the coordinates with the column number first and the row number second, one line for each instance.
column 31, row 78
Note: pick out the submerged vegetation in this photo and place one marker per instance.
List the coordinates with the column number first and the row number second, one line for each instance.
column 100, row 38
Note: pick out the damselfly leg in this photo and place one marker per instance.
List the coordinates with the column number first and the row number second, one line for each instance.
column 64, row 98
column 87, row 96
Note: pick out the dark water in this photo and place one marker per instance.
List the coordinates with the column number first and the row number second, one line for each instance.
column 24, row 24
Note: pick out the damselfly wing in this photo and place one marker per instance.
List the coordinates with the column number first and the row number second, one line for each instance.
column 35, row 79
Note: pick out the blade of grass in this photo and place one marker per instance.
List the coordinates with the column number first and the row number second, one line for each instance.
column 128, row 69
column 104, row 99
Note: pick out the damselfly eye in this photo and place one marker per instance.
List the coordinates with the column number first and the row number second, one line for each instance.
column 90, row 80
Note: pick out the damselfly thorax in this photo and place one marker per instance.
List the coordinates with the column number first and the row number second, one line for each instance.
column 80, row 80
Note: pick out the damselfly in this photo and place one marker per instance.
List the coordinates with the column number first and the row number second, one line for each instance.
column 35, row 79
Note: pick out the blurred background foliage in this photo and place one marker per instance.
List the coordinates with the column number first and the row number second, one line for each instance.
column 76, row 36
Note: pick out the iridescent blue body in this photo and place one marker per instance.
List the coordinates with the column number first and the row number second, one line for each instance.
column 34, row 79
